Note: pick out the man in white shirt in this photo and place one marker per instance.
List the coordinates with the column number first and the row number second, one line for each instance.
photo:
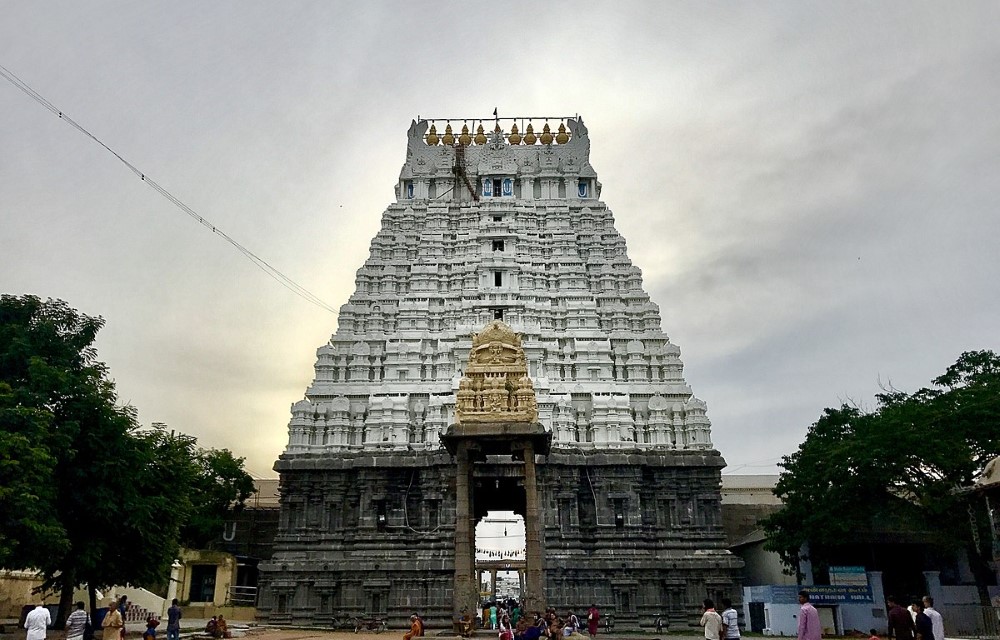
column 730, row 620
column 37, row 622
column 712, row 621
column 937, row 622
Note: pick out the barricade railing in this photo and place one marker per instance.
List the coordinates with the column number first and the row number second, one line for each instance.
column 242, row 596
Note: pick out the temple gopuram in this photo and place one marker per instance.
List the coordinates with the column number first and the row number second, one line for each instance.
column 498, row 354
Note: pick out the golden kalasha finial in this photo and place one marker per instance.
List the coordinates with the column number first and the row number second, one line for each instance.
column 529, row 135
column 465, row 139
column 562, row 137
column 432, row 136
column 514, row 137
column 546, row 137
column 480, row 135
column 448, row 138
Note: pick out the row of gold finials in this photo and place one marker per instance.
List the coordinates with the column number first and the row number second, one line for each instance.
column 464, row 139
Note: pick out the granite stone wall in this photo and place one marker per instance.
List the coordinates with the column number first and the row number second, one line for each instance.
column 639, row 533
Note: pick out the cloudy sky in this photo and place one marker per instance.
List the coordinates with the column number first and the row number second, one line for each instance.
column 811, row 189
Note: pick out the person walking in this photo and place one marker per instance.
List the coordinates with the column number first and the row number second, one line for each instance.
column 937, row 622
column 113, row 623
column 174, row 615
column 921, row 621
column 730, row 620
column 809, row 628
column 901, row 625
column 37, row 623
column 711, row 620
column 76, row 623
column 506, row 631
column 593, row 620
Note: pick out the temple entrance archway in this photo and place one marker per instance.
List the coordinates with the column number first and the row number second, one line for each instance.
column 500, row 563
column 499, row 492
column 496, row 423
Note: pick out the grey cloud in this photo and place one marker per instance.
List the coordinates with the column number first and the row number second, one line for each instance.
column 809, row 190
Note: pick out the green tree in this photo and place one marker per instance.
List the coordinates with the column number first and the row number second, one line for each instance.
column 27, row 522
column 47, row 366
column 906, row 461
column 220, row 489
column 86, row 496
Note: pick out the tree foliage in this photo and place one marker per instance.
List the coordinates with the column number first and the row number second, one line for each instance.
column 86, row 496
column 220, row 488
column 904, row 462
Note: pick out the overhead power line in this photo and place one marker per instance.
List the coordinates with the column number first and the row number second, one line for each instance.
column 259, row 262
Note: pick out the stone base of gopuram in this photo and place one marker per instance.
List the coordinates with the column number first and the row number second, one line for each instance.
column 638, row 533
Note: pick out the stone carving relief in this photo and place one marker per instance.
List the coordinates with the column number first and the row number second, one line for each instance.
column 496, row 386
column 497, row 158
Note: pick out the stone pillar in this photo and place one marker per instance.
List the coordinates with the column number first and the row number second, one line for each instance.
column 493, row 584
column 878, row 598
column 175, row 579
column 466, row 597
column 520, row 584
column 527, row 188
column 534, row 595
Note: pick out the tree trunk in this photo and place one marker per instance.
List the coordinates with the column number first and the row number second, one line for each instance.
column 65, row 601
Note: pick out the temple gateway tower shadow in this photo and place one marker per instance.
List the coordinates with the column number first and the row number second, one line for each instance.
column 408, row 413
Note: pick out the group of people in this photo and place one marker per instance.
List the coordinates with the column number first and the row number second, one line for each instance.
column 217, row 627
column 79, row 626
column 921, row 622
column 512, row 623
column 720, row 626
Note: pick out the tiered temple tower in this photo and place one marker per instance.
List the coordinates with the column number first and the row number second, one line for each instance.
column 501, row 226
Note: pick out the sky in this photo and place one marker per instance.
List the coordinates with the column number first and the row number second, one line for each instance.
column 810, row 188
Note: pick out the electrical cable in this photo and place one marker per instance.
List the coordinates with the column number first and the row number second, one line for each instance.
column 259, row 262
